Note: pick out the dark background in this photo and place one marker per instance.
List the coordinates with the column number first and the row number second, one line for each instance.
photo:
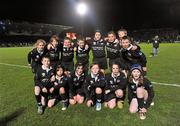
column 102, row 14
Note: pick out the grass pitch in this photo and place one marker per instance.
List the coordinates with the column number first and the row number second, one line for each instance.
column 18, row 106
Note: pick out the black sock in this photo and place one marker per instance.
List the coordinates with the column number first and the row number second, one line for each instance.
column 63, row 97
column 38, row 99
column 140, row 102
column 99, row 97
column 45, row 95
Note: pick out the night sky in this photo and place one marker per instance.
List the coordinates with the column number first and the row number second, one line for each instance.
column 104, row 14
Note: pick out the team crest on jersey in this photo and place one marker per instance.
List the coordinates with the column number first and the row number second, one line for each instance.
column 111, row 82
column 43, row 74
column 132, row 86
column 140, row 53
column 91, row 82
column 118, row 81
column 74, row 79
column 102, row 43
column 129, row 54
column 64, row 49
column 94, row 43
column 60, row 81
column 108, row 43
column 37, row 56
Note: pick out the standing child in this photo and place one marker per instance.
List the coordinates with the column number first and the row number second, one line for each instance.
column 113, row 49
column 140, row 92
column 34, row 60
column 67, row 56
column 97, row 45
column 131, row 56
column 115, row 87
column 94, row 87
column 53, row 50
column 44, row 79
column 35, row 55
column 76, row 84
column 82, row 53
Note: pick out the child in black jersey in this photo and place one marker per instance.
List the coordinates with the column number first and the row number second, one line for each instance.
column 44, row 78
column 115, row 87
column 76, row 85
column 140, row 92
column 67, row 56
column 97, row 45
column 35, row 55
column 113, row 49
column 82, row 53
column 60, row 87
column 53, row 50
column 131, row 56
column 94, row 87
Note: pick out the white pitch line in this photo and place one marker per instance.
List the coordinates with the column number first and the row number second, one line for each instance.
column 7, row 64
column 157, row 83
column 166, row 84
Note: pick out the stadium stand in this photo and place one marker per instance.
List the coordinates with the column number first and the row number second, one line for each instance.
column 26, row 33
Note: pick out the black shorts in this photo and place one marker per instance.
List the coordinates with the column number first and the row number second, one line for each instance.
column 35, row 66
column 54, row 64
column 68, row 66
column 92, row 93
column 101, row 61
column 109, row 96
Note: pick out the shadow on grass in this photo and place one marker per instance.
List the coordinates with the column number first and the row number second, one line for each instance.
column 5, row 120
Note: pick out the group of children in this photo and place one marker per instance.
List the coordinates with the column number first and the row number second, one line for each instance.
column 57, row 78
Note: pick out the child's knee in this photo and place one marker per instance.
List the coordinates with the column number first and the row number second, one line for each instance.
column 112, row 105
column 37, row 90
column 50, row 104
column 72, row 101
column 62, row 90
column 98, row 90
column 132, row 110
column 119, row 93
column 140, row 92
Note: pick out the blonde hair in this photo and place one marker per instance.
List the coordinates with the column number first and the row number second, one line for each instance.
column 40, row 41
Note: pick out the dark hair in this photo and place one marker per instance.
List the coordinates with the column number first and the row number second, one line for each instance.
column 54, row 37
column 93, row 64
column 78, row 65
column 99, row 31
column 80, row 38
column 59, row 67
column 115, row 63
column 122, row 30
column 127, row 37
column 66, row 38
column 112, row 32
column 47, row 57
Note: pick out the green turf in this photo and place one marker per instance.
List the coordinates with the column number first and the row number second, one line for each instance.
column 18, row 106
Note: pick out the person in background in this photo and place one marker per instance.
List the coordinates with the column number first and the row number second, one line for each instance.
column 155, row 43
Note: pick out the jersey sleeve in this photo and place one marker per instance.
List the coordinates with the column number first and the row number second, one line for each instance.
column 29, row 56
